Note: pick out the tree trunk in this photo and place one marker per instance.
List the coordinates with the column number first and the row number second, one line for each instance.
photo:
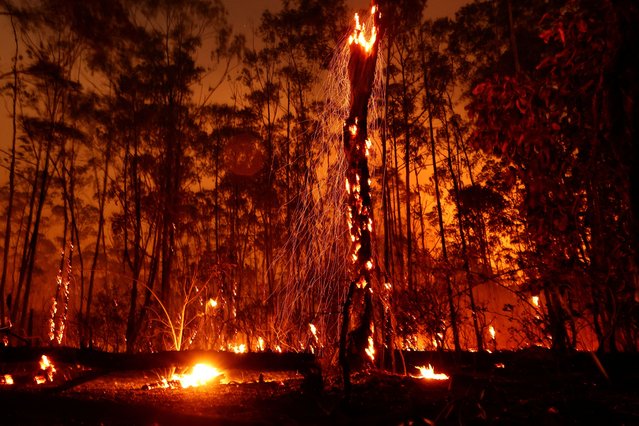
column 449, row 289
column 356, row 340
column 462, row 236
column 87, row 333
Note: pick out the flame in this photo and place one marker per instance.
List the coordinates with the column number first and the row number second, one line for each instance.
column 212, row 303
column 200, row 375
column 7, row 379
column 47, row 371
column 45, row 363
column 238, row 349
column 260, row 344
column 535, row 301
column 313, row 330
column 369, row 265
column 361, row 283
column 359, row 37
column 491, row 330
column 370, row 350
column 428, row 373
column 278, row 348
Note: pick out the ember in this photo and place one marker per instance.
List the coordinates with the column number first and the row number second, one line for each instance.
column 428, row 373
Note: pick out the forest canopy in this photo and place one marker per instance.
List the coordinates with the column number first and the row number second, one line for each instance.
column 170, row 183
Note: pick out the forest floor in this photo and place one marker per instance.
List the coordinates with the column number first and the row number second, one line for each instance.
column 521, row 388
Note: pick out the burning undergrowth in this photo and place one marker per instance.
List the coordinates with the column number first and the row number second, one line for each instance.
column 196, row 376
column 41, row 373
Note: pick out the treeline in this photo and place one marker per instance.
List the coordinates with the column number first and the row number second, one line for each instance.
column 145, row 208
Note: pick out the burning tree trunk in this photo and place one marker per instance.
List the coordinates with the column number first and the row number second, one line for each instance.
column 356, row 339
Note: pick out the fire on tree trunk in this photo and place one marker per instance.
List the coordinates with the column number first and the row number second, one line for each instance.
column 357, row 335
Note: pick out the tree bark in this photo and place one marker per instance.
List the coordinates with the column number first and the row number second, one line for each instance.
column 356, row 339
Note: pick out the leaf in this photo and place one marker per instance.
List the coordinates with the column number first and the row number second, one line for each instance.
column 582, row 26
column 520, row 106
column 479, row 89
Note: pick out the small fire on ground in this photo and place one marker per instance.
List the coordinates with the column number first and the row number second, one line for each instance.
column 6, row 379
column 47, row 370
column 428, row 373
column 45, row 374
column 200, row 375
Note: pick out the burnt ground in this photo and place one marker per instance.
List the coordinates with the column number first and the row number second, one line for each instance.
column 530, row 389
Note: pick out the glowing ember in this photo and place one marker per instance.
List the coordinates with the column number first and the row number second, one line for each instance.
column 7, row 379
column 200, row 375
column 491, row 330
column 212, row 303
column 428, row 373
column 535, row 301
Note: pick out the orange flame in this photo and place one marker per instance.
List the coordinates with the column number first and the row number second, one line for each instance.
column 7, row 379
column 238, row 349
column 47, row 371
column 313, row 330
column 428, row 373
column 200, row 375
column 359, row 34
column 370, row 350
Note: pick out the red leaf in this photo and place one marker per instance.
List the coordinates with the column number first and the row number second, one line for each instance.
column 581, row 26
column 520, row 106
column 479, row 89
